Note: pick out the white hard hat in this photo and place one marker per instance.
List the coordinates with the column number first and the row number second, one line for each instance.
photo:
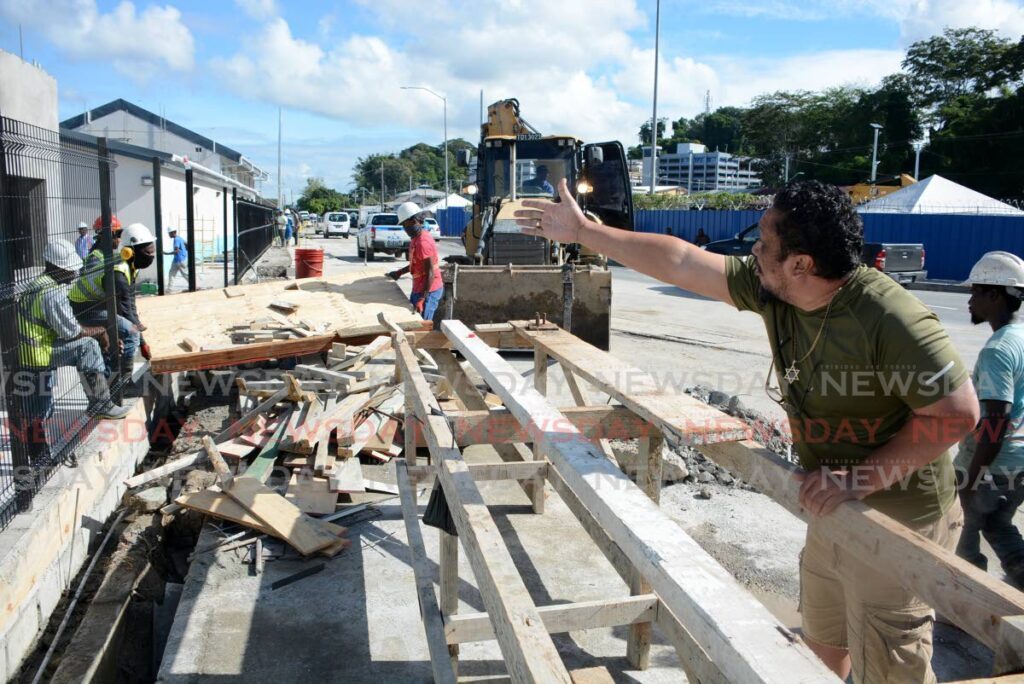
column 999, row 268
column 82, row 225
column 136, row 234
column 61, row 254
column 406, row 210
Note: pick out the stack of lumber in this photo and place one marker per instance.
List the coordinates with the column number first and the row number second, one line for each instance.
column 302, row 439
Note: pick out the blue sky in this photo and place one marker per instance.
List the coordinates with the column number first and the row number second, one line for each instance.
column 577, row 66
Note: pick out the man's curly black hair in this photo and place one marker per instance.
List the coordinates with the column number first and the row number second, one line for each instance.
column 818, row 220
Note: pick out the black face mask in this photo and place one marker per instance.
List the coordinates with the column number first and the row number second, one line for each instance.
column 413, row 231
column 142, row 261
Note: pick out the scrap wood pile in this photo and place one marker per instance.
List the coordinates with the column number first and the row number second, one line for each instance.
column 313, row 427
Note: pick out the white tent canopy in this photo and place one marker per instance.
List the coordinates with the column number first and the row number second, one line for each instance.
column 938, row 195
column 453, row 201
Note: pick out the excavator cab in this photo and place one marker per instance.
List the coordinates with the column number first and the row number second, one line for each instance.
column 506, row 275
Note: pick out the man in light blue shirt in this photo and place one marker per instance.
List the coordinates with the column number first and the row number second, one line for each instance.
column 994, row 454
column 179, row 262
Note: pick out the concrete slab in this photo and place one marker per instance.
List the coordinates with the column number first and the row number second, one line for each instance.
column 358, row 619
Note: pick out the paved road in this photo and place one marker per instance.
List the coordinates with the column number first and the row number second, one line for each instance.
column 686, row 339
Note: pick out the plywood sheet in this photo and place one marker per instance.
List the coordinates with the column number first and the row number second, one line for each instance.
column 331, row 304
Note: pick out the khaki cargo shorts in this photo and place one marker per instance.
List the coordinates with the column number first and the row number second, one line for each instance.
column 845, row 602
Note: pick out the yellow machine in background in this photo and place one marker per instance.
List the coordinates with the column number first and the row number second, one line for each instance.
column 505, row 275
column 865, row 192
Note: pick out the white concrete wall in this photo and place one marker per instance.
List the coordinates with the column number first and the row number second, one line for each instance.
column 27, row 93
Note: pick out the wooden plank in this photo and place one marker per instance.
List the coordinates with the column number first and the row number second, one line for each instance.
column 347, row 476
column 680, row 417
column 522, row 470
column 219, row 465
column 263, row 464
column 429, row 610
column 448, row 567
column 365, row 431
column 245, row 353
column 220, row 505
column 648, row 479
column 568, row 617
column 280, row 515
column 739, row 634
column 499, row 426
column 377, row 347
column 967, row 596
column 527, row 648
column 311, row 494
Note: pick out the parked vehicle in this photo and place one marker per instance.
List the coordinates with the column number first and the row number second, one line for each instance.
column 738, row 245
column 433, row 227
column 368, row 210
column 304, row 215
column 904, row 263
column 382, row 233
column 336, row 224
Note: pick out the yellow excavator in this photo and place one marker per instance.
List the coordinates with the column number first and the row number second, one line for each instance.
column 506, row 275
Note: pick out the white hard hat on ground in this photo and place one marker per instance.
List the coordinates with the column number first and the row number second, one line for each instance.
column 136, row 234
column 999, row 268
column 61, row 254
column 406, row 210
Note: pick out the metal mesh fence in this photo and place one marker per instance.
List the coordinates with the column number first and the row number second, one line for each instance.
column 55, row 377
column 255, row 233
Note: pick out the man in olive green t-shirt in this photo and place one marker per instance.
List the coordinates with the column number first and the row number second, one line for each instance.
column 874, row 390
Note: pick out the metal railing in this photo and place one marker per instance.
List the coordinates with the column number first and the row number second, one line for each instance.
column 49, row 184
column 254, row 233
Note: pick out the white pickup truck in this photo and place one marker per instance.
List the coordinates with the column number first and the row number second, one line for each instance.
column 382, row 233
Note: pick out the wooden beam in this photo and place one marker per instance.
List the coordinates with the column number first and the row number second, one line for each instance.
column 429, row 610
column 648, row 479
column 569, row 617
column 260, row 351
column 739, row 634
column 969, row 597
column 506, row 338
column 498, row 426
column 521, row 470
column 526, row 646
column 680, row 417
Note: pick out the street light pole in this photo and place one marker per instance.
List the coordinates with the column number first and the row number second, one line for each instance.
column 444, row 101
column 918, row 145
column 874, row 153
column 654, row 114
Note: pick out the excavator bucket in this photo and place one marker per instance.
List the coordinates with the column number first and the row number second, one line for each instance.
column 574, row 297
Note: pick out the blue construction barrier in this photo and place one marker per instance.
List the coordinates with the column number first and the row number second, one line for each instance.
column 453, row 220
column 952, row 243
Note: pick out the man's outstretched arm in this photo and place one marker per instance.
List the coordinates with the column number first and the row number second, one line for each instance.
column 666, row 258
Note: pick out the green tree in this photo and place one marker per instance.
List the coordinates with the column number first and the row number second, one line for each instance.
column 318, row 198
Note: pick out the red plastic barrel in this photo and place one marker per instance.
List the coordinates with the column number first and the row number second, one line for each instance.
column 309, row 263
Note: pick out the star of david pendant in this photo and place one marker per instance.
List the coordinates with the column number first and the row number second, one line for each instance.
column 792, row 374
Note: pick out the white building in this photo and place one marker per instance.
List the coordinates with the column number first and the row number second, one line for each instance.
column 692, row 167
column 125, row 122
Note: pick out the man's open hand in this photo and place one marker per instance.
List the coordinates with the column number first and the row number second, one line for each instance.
column 560, row 222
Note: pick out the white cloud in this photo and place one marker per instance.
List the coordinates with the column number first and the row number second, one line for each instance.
column 929, row 17
column 258, row 9
column 136, row 42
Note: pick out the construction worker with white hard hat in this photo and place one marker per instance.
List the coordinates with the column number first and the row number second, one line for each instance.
column 50, row 337
column 427, row 286
column 134, row 249
column 993, row 456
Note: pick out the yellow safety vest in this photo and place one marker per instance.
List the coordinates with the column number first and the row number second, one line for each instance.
column 37, row 337
column 88, row 286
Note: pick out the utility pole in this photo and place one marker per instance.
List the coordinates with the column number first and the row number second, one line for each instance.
column 785, row 173
column 918, row 145
column 382, row 185
column 874, row 153
column 279, row 196
column 654, row 114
